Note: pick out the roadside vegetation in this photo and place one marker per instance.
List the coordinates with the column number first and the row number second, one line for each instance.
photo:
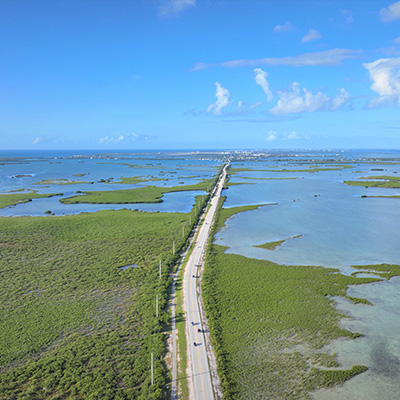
column 73, row 323
column 13, row 199
column 269, row 322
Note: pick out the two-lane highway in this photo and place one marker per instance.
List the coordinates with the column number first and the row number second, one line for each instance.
column 201, row 388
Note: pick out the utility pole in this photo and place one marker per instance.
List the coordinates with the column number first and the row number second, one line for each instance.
column 160, row 269
column 157, row 305
column 183, row 231
column 173, row 247
column 152, row 370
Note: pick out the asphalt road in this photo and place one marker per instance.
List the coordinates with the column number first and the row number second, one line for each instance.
column 197, row 358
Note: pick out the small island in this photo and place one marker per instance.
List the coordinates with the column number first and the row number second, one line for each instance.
column 276, row 244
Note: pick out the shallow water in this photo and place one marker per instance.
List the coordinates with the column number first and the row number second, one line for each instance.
column 128, row 266
column 172, row 202
column 65, row 165
column 379, row 349
column 338, row 228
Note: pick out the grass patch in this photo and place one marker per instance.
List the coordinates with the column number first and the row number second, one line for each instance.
column 383, row 177
column 133, row 180
column 275, row 245
column 269, row 179
column 13, row 199
column 148, row 194
column 390, row 182
column 228, row 184
column 382, row 197
column 385, row 271
column 311, row 170
column 60, row 181
column 358, row 300
column 180, row 322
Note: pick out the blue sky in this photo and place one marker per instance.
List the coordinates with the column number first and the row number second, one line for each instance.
column 199, row 74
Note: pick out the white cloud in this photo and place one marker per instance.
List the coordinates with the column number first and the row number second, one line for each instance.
column 397, row 40
column 130, row 137
column 261, row 79
column 224, row 99
column 293, row 136
column 296, row 100
column 272, row 135
column 37, row 140
column 347, row 15
column 340, row 99
column 286, row 27
column 322, row 58
column 169, row 8
column 311, row 35
column 385, row 76
column 391, row 13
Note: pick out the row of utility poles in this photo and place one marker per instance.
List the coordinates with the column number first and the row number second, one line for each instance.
column 196, row 210
column 152, row 358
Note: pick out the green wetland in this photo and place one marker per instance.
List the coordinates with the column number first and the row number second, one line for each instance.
column 269, row 323
column 74, row 324
column 290, row 318
column 79, row 292
column 289, row 315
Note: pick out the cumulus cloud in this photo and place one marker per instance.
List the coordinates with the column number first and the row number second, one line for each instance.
column 391, row 13
column 293, row 136
column 296, row 100
column 261, row 79
column 322, row 58
column 272, row 135
column 127, row 138
column 286, row 27
column 385, row 76
column 311, row 35
column 340, row 99
column 224, row 99
column 168, row 8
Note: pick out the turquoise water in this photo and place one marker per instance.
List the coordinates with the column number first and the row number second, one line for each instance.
column 379, row 349
column 337, row 228
column 21, row 170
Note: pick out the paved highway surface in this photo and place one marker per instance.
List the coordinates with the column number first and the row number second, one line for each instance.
column 197, row 357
